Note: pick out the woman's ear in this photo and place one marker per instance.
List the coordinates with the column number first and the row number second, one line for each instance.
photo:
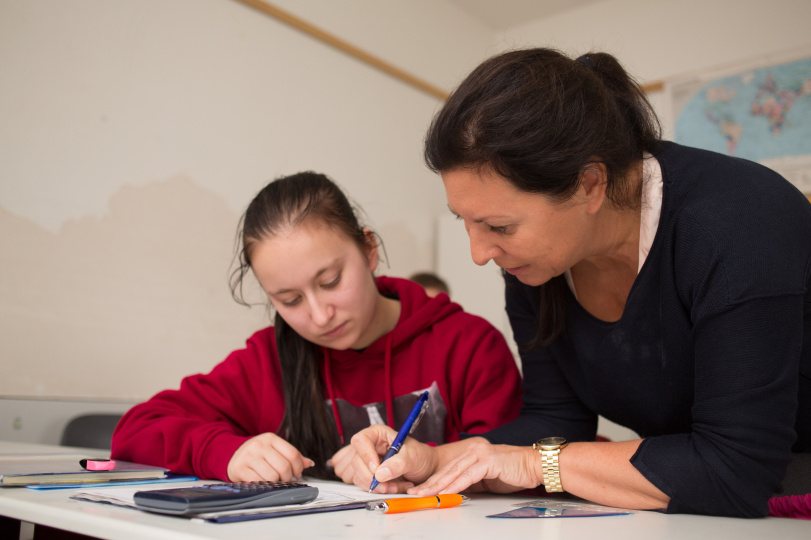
column 370, row 248
column 593, row 183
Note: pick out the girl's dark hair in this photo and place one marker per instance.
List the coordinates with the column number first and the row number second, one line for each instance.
column 285, row 203
column 538, row 118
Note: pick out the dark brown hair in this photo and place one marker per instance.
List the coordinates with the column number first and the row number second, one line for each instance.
column 284, row 203
column 429, row 279
column 538, row 118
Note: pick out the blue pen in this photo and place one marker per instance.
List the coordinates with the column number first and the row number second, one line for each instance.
column 408, row 427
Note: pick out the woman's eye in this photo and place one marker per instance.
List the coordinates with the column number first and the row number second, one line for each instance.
column 333, row 283
column 498, row 230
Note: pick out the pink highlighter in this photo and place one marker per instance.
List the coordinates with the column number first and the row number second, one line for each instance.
column 97, row 464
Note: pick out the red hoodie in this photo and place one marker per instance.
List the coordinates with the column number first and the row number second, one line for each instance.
column 460, row 358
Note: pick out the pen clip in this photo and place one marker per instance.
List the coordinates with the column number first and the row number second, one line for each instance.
column 419, row 417
column 413, row 426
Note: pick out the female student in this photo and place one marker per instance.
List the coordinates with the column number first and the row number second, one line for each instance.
column 663, row 287
column 346, row 350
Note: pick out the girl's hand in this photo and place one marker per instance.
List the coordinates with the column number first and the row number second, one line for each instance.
column 267, row 457
column 414, row 463
column 342, row 463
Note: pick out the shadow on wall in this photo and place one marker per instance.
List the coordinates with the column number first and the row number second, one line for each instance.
column 138, row 297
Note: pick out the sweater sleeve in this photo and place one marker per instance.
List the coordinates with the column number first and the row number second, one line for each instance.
column 742, row 277
column 550, row 405
column 197, row 428
column 743, row 412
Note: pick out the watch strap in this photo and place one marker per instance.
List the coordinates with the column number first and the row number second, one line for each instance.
column 550, row 454
column 551, row 470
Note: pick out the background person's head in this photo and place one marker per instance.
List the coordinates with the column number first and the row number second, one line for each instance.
column 432, row 283
column 538, row 118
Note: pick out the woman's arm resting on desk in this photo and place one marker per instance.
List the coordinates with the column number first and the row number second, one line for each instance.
column 598, row 472
column 602, row 472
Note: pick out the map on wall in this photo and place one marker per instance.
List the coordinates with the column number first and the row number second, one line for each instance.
column 761, row 113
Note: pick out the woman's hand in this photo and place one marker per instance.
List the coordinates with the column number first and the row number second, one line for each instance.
column 267, row 457
column 414, row 463
column 475, row 465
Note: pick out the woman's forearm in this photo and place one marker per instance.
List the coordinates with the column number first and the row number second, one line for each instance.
column 599, row 472
column 602, row 472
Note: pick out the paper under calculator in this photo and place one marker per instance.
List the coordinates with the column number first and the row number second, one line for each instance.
column 223, row 497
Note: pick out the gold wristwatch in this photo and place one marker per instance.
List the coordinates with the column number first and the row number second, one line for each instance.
column 549, row 448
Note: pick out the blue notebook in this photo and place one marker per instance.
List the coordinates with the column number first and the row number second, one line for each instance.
column 170, row 478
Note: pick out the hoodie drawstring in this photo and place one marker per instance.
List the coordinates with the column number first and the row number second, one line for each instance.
column 331, row 392
column 388, row 384
column 387, row 375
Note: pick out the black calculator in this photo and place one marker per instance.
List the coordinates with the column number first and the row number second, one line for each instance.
column 223, row 497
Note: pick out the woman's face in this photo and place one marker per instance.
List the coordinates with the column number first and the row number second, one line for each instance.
column 526, row 234
column 321, row 283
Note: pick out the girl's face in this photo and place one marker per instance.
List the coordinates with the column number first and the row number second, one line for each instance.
column 321, row 283
column 526, row 234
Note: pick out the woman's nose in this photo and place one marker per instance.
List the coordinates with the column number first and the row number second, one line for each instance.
column 481, row 251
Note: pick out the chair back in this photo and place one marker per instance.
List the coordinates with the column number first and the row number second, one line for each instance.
column 90, row 431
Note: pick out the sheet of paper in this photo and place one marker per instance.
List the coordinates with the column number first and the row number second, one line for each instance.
column 329, row 494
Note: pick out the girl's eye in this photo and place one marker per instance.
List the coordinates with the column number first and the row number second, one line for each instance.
column 333, row 283
column 292, row 302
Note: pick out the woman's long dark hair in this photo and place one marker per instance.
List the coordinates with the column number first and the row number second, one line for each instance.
column 538, row 118
column 284, row 203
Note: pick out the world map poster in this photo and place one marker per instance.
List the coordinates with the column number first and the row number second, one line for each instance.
column 761, row 113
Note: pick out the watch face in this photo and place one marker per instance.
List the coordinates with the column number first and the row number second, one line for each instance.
column 551, row 441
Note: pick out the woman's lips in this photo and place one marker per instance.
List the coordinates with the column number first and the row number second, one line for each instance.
column 517, row 270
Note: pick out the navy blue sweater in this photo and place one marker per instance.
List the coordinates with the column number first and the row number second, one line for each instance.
column 711, row 361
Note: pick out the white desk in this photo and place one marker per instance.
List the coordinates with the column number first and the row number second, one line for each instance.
column 55, row 509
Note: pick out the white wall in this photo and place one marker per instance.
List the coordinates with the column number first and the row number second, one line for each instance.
column 659, row 39
column 134, row 133
column 662, row 40
column 431, row 39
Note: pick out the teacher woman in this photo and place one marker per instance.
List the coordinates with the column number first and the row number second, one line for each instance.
column 665, row 288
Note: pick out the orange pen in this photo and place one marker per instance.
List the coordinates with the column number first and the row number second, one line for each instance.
column 398, row 506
